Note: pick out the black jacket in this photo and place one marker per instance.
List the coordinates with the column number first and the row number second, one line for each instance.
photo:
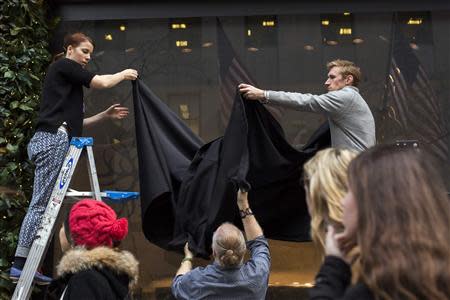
column 333, row 282
column 100, row 273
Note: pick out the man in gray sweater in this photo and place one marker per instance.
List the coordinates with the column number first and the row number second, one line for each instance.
column 351, row 121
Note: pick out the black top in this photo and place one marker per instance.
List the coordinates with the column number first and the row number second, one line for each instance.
column 333, row 282
column 92, row 284
column 62, row 97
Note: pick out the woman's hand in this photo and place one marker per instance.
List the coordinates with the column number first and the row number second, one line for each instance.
column 116, row 112
column 338, row 244
column 331, row 243
column 129, row 74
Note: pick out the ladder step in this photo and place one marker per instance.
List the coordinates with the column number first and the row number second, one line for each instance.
column 114, row 196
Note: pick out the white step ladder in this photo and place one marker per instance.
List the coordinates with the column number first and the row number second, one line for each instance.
column 47, row 226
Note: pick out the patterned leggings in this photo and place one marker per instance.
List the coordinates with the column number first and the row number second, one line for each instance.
column 48, row 151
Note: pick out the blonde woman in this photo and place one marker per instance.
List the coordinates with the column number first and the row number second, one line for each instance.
column 325, row 179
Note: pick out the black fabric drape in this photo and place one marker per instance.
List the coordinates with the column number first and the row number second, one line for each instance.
column 187, row 190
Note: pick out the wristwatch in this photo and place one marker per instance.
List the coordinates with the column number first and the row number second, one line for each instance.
column 187, row 258
column 245, row 212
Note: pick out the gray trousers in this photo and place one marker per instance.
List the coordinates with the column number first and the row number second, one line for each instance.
column 48, row 151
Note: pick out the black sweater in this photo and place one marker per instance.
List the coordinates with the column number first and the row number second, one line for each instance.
column 62, row 96
column 333, row 282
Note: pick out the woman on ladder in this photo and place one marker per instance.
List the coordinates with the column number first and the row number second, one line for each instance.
column 61, row 117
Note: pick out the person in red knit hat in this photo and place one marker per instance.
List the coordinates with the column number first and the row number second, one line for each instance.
column 93, row 223
column 94, row 268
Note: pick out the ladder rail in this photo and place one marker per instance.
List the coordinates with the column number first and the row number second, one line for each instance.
column 93, row 177
column 47, row 226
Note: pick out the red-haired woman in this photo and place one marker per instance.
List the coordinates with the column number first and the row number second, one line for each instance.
column 61, row 117
column 398, row 213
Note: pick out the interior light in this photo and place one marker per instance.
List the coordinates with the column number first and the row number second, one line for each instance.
column 308, row 285
column 249, row 32
column 308, row 47
column 347, row 14
column 358, row 41
column 332, row 43
column 179, row 26
column 391, row 78
column 325, row 22
column 413, row 21
column 269, row 23
column 181, row 43
column 108, row 37
column 184, row 110
column 207, row 44
column 122, row 28
column 345, row 31
column 252, row 49
column 383, row 38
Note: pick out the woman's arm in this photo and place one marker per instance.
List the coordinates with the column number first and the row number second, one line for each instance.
column 108, row 81
column 115, row 111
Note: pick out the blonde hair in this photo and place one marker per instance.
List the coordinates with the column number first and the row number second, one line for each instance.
column 228, row 245
column 346, row 68
column 326, row 182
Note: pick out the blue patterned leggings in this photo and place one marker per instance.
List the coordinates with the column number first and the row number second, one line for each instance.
column 48, row 151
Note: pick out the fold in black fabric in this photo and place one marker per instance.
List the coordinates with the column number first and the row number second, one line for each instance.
column 188, row 189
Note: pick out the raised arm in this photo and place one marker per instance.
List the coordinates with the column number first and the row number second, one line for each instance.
column 110, row 80
column 186, row 263
column 251, row 226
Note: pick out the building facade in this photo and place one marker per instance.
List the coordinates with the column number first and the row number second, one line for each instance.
column 403, row 50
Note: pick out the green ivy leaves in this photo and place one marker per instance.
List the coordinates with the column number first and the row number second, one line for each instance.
column 24, row 35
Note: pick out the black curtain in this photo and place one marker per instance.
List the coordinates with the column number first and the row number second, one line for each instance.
column 189, row 188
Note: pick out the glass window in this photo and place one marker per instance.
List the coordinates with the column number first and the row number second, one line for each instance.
column 404, row 58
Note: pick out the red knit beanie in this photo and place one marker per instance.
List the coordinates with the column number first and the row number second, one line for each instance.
column 93, row 223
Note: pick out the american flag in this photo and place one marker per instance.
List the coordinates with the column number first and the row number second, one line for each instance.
column 231, row 73
column 411, row 101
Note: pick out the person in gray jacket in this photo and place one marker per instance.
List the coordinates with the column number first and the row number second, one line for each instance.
column 351, row 122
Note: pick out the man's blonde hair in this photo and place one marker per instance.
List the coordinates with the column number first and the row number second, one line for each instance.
column 228, row 245
column 346, row 68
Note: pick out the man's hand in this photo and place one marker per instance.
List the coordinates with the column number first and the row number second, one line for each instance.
column 186, row 263
column 250, row 92
column 117, row 112
column 242, row 199
column 187, row 252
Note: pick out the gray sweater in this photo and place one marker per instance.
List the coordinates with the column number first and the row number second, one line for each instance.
column 351, row 121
